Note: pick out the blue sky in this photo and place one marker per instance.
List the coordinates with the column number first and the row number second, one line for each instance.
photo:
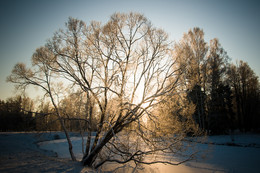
column 27, row 24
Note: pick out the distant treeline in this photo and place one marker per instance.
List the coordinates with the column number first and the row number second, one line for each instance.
column 233, row 104
column 14, row 118
column 222, row 95
column 16, row 114
column 226, row 96
column 229, row 103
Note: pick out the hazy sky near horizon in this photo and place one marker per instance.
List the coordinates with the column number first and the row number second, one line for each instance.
column 27, row 24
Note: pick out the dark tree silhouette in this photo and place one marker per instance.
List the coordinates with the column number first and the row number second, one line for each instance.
column 13, row 117
column 245, row 86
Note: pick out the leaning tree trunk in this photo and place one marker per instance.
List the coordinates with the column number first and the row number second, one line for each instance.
column 69, row 141
column 90, row 158
column 64, row 129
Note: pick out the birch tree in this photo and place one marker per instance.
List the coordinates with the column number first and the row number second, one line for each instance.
column 192, row 52
column 40, row 75
column 124, row 68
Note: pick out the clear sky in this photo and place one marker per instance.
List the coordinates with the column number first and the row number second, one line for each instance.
column 26, row 25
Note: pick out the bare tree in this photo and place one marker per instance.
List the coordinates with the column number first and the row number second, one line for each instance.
column 124, row 68
column 192, row 52
column 40, row 76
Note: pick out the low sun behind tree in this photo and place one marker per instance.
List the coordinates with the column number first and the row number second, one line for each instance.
column 135, row 94
column 123, row 68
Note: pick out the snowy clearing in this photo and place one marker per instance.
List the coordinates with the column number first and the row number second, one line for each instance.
column 19, row 153
column 222, row 155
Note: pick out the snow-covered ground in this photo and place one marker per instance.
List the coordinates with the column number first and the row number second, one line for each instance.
column 19, row 153
column 221, row 154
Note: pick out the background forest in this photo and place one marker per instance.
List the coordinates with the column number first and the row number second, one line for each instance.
column 217, row 95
